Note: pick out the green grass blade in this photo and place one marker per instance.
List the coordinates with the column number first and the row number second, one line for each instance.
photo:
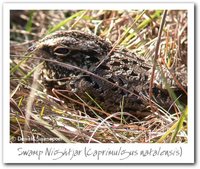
column 17, row 67
column 64, row 22
column 31, row 72
column 157, row 14
column 94, row 101
column 167, row 133
column 29, row 24
column 179, row 124
column 175, row 128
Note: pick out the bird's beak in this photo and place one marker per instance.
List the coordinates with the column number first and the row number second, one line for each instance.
column 32, row 49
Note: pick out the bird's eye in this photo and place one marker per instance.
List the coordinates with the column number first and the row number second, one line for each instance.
column 61, row 51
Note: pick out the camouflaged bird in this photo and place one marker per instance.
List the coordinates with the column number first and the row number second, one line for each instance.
column 86, row 66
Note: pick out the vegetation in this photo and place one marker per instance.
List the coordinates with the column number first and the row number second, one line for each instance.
column 36, row 116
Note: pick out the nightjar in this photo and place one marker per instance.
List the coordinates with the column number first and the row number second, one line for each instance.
column 86, row 67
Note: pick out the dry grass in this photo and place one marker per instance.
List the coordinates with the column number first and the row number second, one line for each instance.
column 36, row 116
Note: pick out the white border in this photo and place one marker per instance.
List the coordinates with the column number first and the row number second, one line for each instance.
column 10, row 150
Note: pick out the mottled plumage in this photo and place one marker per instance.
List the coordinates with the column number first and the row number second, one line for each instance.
column 116, row 80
